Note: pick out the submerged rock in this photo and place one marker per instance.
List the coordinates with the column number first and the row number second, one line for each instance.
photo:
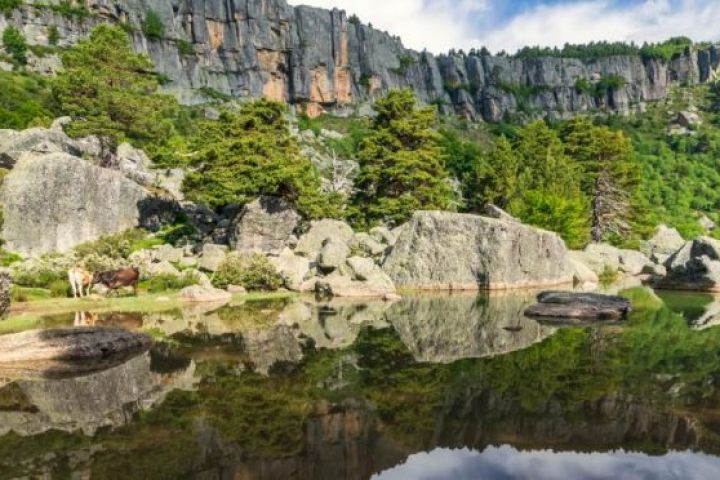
column 452, row 251
column 70, row 344
column 580, row 306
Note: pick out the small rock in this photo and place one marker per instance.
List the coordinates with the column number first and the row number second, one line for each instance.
column 292, row 268
column 188, row 262
column 236, row 289
column 196, row 293
column 383, row 235
column 493, row 211
column 706, row 223
column 579, row 306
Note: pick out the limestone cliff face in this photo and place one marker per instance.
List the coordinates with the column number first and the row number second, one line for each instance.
column 319, row 60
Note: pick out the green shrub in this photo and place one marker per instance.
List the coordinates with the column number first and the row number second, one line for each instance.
column 608, row 275
column 42, row 277
column 53, row 35
column 167, row 282
column 185, row 47
column 101, row 263
column 153, row 26
column 59, row 288
column 7, row 6
column 8, row 258
column 15, row 45
column 119, row 245
column 254, row 272
column 69, row 10
column 25, row 100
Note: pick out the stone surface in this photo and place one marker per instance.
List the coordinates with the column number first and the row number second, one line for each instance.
column 599, row 256
column 450, row 251
column 367, row 245
column 696, row 266
column 383, row 235
column 5, row 292
column 312, row 241
column 212, row 257
column 162, row 268
column 53, row 202
column 332, row 255
column 319, row 60
column 292, row 268
column 580, row 306
column 582, row 274
column 707, row 224
column 666, row 241
column 200, row 294
column 70, row 344
column 338, row 285
column 264, row 225
column 167, row 253
column 493, row 211
column 13, row 144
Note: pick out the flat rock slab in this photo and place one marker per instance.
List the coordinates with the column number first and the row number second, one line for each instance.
column 579, row 306
column 70, row 344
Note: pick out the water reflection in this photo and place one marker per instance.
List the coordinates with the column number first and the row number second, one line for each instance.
column 326, row 390
column 508, row 463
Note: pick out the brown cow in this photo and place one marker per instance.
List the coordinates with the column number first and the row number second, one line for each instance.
column 127, row 277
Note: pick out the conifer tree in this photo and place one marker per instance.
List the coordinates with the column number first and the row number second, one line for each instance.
column 402, row 168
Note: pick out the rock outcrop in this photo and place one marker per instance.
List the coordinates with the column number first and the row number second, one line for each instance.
column 320, row 60
column 602, row 256
column 53, row 202
column 5, row 292
column 664, row 243
column 696, row 266
column 451, row 251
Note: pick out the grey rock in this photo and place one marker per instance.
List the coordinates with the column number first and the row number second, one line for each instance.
column 332, row 255
column 212, row 257
column 167, row 253
column 599, row 256
column 366, row 245
column 666, row 241
column 339, row 285
column 493, row 211
column 579, row 306
column 5, row 292
column 582, row 274
column 707, row 224
column 13, row 144
column 696, row 266
column 70, row 344
column 53, row 202
column 383, row 235
column 689, row 119
column 450, row 251
column 162, row 268
column 312, row 241
column 264, row 225
column 292, row 268
column 200, row 294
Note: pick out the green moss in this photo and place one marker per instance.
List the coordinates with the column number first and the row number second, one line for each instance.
column 7, row 6
column 185, row 48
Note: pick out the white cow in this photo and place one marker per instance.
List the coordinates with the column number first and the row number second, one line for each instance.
column 80, row 279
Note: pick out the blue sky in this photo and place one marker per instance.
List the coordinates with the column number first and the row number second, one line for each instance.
column 439, row 25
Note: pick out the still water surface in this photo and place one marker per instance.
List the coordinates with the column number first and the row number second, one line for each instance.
column 433, row 387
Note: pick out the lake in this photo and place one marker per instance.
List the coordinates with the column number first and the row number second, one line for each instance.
column 432, row 387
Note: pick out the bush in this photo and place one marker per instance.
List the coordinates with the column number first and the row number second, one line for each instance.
column 117, row 246
column 42, row 277
column 608, row 275
column 185, row 47
column 167, row 281
column 69, row 10
column 25, row 100
column 254, row 272
column 101, row 263
column 53, row 35
column 15, row 45
column 153, row 26
column 59, row 288
column 7, row 6
column 8, row 258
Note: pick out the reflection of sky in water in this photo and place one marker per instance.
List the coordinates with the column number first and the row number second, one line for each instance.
column 506, row 463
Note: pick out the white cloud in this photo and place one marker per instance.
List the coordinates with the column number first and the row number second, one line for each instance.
column 440, row 25
column 437, row 25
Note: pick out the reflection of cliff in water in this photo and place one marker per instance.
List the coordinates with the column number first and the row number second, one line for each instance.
column 87, row 402
column 446, row 328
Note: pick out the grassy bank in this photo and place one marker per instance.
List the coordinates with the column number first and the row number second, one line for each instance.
column 34, row 312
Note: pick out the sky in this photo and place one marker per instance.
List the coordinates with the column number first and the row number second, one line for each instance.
column 440, row 25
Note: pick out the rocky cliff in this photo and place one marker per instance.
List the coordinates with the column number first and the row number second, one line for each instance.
column 321, row 60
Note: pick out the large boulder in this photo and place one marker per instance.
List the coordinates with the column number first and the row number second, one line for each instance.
column 602, row 256
column 332, row 255
column 452, row 251
column 70, row 344
column 696, row 266
column 312, row 241
column 264, row 225
column 53, row 202
column 200, row 294
column 666, row 241
column 13, row 144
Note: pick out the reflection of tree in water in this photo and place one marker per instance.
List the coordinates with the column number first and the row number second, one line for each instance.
column 647, row 386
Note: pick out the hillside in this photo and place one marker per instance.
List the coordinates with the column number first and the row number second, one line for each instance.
column 321, row 60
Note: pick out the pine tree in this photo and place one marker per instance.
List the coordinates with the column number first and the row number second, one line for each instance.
column 111, row 91
column 402, row 168
column 609, row 175
column 497, row 177
column 250, row 153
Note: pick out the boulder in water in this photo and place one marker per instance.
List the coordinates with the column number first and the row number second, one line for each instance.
column 579, row 306
column 70, row 344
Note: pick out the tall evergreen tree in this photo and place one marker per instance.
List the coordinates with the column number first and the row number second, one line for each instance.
column 609, row 175
column 250, row 153
column 111, row 91
column 497, row 177
column 402, row 168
